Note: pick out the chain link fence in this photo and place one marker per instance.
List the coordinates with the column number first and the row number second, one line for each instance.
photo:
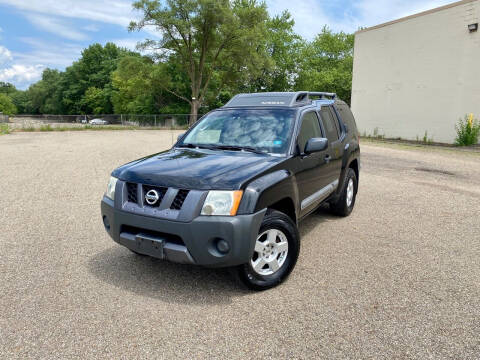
column 3, row 118
column 168, row 121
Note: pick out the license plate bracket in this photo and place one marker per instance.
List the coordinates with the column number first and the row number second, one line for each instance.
column 150, row 245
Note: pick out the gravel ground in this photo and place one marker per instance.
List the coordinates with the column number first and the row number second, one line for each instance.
column 398, row 279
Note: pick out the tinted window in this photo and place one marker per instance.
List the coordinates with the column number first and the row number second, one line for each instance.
column 329, row 124
column 310, row 129
column 347, row 116
column 336, row 121
column 264, row 129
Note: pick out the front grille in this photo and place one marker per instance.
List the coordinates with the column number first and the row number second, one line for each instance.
column 132, row 192
column 170, row 238
column 179, row 199
column 160, row 191
column 132, row 196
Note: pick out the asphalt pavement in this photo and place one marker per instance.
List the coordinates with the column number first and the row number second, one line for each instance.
column 398, row 279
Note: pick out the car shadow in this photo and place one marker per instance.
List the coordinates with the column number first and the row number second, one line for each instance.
column 319, row 216
column 177, row 283
column 163, row 280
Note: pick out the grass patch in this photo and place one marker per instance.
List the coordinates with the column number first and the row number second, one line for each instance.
column 47, row 127
column 4, row 129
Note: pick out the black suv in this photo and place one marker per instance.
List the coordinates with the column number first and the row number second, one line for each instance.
column 232, row 190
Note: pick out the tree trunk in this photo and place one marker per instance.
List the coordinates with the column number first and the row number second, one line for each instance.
column 194, row 105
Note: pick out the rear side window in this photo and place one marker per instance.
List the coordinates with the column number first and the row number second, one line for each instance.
column 310, row 129
column 329, row 124
column 347, row 116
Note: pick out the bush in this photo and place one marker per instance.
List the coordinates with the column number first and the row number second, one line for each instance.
column 468, row 130
column 4, row 129
column 6, row 105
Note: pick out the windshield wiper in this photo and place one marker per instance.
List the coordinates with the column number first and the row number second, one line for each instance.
column 223, row 147
column 199, row 146
column 239, row 148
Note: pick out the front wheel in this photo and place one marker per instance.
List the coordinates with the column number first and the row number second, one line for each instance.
column 275, row 254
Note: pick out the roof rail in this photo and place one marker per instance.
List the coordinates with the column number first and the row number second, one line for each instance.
column 323, row 95
column 299, row 97
column 290, row 99
column 304, row 96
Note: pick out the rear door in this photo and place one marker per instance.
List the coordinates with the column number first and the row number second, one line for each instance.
column 334, row 134
column 311, row 174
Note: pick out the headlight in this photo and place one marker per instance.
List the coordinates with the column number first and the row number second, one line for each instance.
column 110, row 193
column 222, row 203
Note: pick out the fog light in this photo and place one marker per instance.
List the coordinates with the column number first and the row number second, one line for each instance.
column 473, row 27
column 222, row 246
column 106, row 223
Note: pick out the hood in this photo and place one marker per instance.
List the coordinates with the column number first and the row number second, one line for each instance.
column 199, row 169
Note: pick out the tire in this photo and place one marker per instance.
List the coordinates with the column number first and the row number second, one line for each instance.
column 345, row 203
column 276, row 230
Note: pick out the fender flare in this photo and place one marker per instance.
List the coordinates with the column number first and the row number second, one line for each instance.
column 267, row 190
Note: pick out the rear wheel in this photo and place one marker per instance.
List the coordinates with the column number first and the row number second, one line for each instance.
column 345, row 203
column 275, row 254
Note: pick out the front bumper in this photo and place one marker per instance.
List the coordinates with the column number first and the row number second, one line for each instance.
column 192, row 242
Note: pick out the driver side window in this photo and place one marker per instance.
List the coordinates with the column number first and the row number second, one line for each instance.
column 310, row 128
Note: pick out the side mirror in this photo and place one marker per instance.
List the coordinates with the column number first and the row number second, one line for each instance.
column 316, row 145
column 179, row 137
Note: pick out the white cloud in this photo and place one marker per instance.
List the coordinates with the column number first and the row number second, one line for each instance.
column 55, row 26
column 108, row 11
column 57, row 55
column 127, row 43
column 91, row 27
column 5, row 55
column 311, row 15
column 24, row 68
column 374, row 12
column 20, row 74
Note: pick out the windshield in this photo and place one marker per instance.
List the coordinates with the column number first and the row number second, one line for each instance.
column 265, row 130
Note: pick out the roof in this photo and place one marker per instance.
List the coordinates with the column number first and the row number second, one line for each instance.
column 448, row 6
column 280, row 99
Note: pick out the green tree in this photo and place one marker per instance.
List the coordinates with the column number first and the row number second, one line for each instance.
column 6, row 105
column 283, row 48
column 20, row 99
column 7, row 88
column 132, row 83
column 327, row 64
column 44, row 97
column 139, row 87
column 93, row 69
column 210, row 39
column 96, row 101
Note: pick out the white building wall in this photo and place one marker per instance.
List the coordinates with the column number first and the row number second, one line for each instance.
column 418, row 74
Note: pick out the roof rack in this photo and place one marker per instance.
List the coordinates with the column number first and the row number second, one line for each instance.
column 323, row 95
column 289, row 99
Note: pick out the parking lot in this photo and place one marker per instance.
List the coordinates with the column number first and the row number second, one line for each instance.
column 399, row 278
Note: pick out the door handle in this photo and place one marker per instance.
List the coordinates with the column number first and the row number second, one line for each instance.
column 328, row 158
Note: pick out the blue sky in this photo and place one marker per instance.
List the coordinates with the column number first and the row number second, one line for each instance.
column 35, row 34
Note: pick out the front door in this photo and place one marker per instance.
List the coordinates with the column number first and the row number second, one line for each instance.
column 312, row 177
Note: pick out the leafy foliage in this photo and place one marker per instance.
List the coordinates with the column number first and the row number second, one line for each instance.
column 328, row 64
column 210, row 50
column 210, row 39
column 7, row 107
column 468, row 130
